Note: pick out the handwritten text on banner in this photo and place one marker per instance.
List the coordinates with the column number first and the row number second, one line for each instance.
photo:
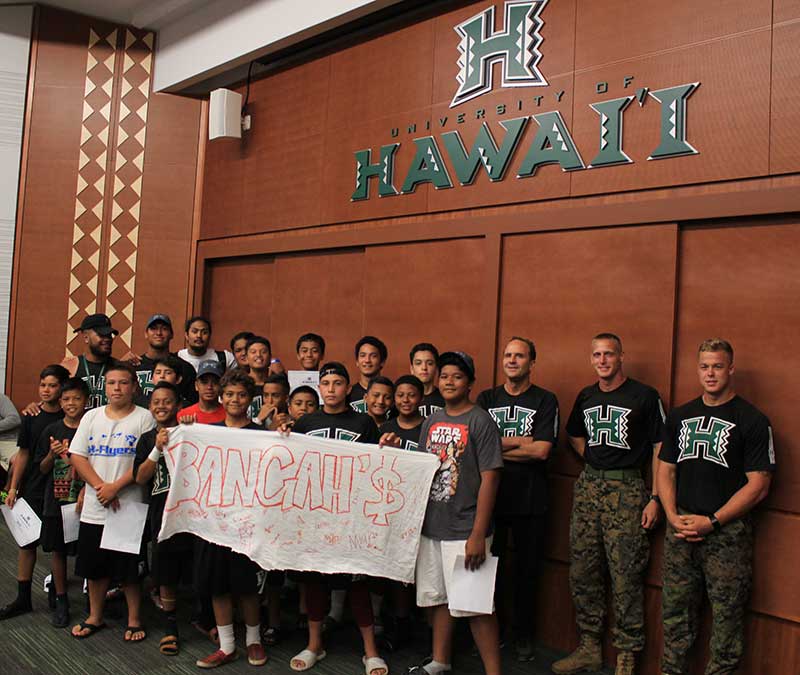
column 299, row 502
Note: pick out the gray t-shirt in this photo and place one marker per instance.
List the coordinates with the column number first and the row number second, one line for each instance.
column 466, row 444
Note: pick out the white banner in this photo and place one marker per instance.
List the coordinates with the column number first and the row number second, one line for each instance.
column 299, row 502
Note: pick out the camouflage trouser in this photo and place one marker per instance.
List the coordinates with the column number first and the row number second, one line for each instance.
column 724, row 561
column 606, row 533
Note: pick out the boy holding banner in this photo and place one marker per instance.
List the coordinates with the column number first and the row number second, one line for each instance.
column 403, row 432
column 339, row 421
column 173, row 557
column 458, row 520
column 222, row 571
column 63, row 489
column 102, row 453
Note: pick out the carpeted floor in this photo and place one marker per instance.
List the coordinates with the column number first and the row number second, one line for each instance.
column 29, row 644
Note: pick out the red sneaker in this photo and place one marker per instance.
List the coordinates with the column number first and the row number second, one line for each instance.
column 218, row 658
column 256, row 656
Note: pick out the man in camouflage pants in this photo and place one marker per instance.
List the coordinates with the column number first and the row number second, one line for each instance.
column 615, row 425
column 717, row 464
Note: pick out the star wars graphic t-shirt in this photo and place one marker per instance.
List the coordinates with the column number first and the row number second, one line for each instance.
column 466, row 445
column 431, row 403
column 409, row 437
column 714, row 447
column 620, row 426
column 345, row 426
column 533, row 414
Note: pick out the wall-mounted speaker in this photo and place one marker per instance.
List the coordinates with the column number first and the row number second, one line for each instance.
column 224, row 114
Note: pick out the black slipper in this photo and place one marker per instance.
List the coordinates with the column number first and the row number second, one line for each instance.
column 92, row 628
column 132, row 630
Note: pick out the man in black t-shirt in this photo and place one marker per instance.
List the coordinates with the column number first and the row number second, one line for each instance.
column 28, row 482
column 158, row 333
column 371, row 355
column 424, row 358
column 616, row 426
column 717, row 461
column 527, row 417
column 336, row 420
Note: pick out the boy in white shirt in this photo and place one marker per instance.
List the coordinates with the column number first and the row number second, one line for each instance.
column 102, row 453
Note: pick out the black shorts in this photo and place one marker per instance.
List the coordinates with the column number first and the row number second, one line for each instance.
column 52, row 537
column 173, row 560
column 98, row 563
column 220, row 571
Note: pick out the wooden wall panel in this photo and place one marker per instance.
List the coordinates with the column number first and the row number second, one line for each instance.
column 776, row 561
column 238, row 296
column 168, row 189
column 427, row 292
column 318, row 293
column 734, row 283
column 87, row 119
column 785, row 102
column 618, row 30
column 561, row 288
column 717, row 115
column 389, row 74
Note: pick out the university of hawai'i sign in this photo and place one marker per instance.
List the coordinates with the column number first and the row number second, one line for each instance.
column 516, row 47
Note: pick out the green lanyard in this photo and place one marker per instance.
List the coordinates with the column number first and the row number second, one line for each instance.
column 94, row 387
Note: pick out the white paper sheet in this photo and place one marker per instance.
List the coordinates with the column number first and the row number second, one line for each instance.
column 309, row 378
column 24, row 524
column 472, row 591
column 124, row 527
column 71, row 520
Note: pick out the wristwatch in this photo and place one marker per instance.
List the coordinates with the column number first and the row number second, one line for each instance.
column 715, row 523
column 656, row 499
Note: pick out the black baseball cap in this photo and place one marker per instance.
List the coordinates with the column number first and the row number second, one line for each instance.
column 209, row 368
column 99, row 323
column 461, row 360
column 334, row 368
column 159, row 318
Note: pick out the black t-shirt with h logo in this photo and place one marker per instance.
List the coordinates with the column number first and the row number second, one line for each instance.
column 714, row 447
column 620, row 426
column 532, row 414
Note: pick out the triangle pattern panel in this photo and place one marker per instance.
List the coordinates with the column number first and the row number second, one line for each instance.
column 123, row 245
column 88, row 220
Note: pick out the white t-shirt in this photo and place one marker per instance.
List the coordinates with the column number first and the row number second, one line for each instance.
column 210, row 355
column 110, row 446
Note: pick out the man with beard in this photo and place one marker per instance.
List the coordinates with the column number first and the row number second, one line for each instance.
column 158, row 333
column 198, row 337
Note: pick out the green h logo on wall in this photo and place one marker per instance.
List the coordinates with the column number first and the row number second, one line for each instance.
column 708, row 439
column 609, row 427
column 516, row 45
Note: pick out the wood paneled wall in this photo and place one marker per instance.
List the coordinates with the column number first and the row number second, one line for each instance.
column 107, row 193
column 664, row 253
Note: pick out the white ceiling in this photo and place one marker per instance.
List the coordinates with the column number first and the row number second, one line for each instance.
column 140, row 13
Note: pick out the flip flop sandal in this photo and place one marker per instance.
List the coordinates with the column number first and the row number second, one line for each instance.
column 168, row 645
column 373, row 663
column 92, row 628
column 308, row 658
column 132, row 630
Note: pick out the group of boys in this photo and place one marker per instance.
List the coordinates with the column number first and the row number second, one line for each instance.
column 89, row 440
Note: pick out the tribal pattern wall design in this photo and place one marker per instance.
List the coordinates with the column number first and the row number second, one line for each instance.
column 108, row 201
